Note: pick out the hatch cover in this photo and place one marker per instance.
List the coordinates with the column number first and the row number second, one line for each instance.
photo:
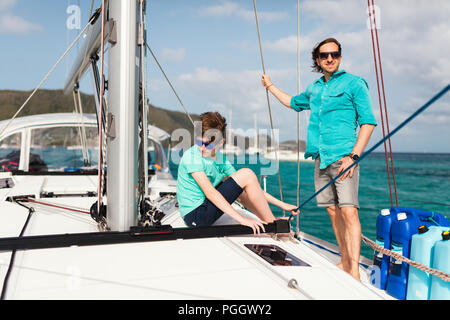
column 276, row 256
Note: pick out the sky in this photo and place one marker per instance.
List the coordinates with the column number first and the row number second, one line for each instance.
column 209, row 50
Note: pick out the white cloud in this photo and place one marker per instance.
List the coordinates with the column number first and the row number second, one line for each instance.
column 6, row 4
column 414, row 39
column 336, row 12
column 13, row 24
column 222, row 10
column 229, row 9
column 240, row 91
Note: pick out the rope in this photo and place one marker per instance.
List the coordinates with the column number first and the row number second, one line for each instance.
column 268, row 104
column 13, row 253
column 298, row 116
column 83, row 130
column 49, row 204
column 47, row 75
column 170, row 84
column 365, row 154
column 385, row 113
column 444, row 276
column 143, row 145
column 100, row 138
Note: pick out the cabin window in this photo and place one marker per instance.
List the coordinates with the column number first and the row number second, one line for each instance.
column 10, row 152
column 60, row 148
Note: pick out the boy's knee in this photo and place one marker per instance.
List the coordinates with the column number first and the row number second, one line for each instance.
column 248, row 172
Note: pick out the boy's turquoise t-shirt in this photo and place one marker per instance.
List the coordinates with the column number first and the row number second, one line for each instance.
column 189, row 193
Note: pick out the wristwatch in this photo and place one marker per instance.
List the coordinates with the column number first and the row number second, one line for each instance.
column 354, row 156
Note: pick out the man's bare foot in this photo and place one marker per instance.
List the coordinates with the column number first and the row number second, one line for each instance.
column 340, row 265
column 355, row 274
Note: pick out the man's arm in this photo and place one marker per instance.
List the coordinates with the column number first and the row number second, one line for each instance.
column 282, row 96
column 363, row 138
column 298, row 103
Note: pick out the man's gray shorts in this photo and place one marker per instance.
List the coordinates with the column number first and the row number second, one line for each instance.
column 340, row 193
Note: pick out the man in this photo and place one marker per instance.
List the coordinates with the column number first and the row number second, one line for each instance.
column 338, row 102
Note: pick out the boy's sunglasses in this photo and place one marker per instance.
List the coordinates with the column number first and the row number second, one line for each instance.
column 334, row 55
column 208, row 145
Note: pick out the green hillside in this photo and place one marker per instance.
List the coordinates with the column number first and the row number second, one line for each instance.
column 54, row 101
column 44, row 101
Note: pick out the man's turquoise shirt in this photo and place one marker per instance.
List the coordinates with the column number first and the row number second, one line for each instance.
column 337, row 107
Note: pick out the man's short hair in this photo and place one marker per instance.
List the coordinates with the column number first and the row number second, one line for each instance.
column 316, row 50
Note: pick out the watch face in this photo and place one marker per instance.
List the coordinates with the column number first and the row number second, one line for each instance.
column 355, row 157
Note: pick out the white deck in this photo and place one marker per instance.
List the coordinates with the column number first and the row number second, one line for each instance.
column 213, row 268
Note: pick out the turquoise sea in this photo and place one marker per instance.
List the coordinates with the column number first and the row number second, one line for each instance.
column 423, row 182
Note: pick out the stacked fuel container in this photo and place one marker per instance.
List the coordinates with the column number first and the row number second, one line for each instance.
column 423, row 250
column 397, row 230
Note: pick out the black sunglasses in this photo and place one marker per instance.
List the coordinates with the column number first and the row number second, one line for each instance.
column 334, row 55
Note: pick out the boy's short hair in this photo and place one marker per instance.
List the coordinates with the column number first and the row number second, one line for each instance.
column 213, row 121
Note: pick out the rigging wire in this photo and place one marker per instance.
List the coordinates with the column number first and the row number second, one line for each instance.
column 53, row 205
column 268, row 104
column 298, row 117
column 143, row 112
column 100, row 138
column 170, row 84
column 91, row 20
column 83, row 130
column 378, row 65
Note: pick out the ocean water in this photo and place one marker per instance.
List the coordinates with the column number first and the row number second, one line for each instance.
column 423, row 182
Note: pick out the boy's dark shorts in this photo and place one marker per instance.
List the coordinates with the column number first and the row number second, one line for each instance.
column 207, row 213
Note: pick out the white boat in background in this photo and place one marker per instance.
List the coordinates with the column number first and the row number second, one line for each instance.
column 286, row 155
column 230, row 149
column 58, row 242
column 253, row 151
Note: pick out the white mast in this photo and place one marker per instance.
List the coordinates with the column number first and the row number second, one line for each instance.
column 122, row 162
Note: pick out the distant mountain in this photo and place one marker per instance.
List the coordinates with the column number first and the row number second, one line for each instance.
column 44, row 101
column 292, row 145
column 54, row 101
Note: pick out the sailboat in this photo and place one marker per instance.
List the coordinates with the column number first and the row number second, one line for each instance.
column 254, row 149
column 230, row 148
column 79, row 234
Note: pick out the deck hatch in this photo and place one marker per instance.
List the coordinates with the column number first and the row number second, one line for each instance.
column 276, row 256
